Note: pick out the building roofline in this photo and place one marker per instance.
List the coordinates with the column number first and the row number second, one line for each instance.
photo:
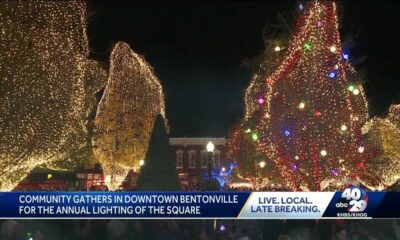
column 197, row 140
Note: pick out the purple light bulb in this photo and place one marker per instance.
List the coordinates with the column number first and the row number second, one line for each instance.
column 294, row 167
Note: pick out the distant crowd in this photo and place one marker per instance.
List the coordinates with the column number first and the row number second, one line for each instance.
column 117, row 229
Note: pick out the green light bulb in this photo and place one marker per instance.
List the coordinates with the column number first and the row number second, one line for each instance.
column 254, row 136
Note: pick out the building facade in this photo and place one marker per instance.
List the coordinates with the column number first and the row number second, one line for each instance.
column 190, row 154
column 192, row 157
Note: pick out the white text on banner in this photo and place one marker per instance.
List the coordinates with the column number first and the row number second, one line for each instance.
column 298, row 205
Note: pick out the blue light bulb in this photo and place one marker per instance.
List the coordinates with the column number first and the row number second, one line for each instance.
column 346, row 56
column 332, row 75
column 287, row 133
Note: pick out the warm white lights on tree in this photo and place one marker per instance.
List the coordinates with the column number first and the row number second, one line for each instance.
column 262, row 164
column 360, row 149
column 43, row 65
column 384, row 136
column 323, row 153
column 126, row 113
column 302, row 105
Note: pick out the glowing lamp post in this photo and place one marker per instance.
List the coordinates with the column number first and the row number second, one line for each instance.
column 210, row 149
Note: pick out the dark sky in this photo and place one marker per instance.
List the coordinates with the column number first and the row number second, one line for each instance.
column 196, row 50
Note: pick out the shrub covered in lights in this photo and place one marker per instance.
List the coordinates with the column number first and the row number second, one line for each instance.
column 219, row 178
column 222, row 175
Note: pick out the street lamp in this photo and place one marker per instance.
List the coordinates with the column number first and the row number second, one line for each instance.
column 210, row 149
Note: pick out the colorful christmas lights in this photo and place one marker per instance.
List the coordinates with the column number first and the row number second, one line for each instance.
column 313, row 56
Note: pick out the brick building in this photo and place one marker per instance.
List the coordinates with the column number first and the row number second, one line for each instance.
column 191, row 162
column 191, row 156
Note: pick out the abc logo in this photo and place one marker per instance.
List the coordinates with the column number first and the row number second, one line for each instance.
column 342, row 205
column 356, row 199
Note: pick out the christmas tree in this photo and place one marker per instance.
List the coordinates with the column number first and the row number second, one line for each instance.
column 42, row 96
column 312, row 107
column 243, row 151
column 275, row 37
column 242, row 144
column 126, row 113
column 159, row 170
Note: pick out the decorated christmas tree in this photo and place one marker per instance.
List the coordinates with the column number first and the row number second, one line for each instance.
column 242, row 150
column 242, row 145
column 159, row 171
column 132, row 99
column 312, row 107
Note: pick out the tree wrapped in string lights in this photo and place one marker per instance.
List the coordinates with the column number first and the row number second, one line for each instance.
column 394, row 115
column 276, row 38
column 242, row 144
column 78, row 155
column 313, row 107
column 385, row 136
column 132, row 99
column 42, row 97
column 243, row 151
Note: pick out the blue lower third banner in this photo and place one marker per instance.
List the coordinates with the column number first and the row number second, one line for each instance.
column 351, row 203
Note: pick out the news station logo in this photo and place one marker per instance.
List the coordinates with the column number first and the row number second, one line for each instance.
column 352, row 203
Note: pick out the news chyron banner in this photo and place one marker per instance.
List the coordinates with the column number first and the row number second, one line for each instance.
column 353, row 202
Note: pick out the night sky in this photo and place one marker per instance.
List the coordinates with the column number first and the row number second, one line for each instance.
column 196, row 50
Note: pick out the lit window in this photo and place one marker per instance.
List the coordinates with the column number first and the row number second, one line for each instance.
column 204, row 156
column 192, row 159
column 80, row 175
column 216, row 158
column 179, row 159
